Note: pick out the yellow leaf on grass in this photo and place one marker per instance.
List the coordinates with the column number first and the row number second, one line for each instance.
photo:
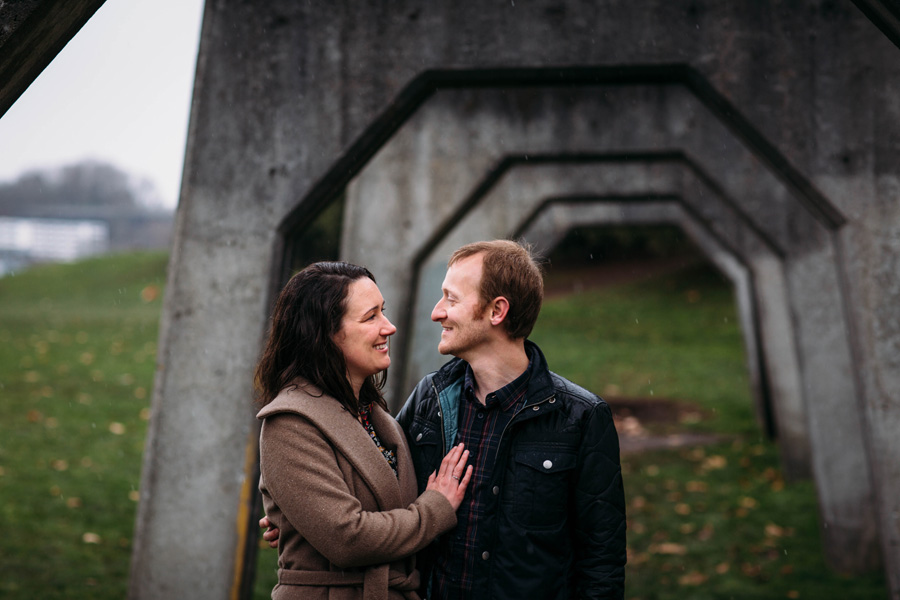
column 668, row 548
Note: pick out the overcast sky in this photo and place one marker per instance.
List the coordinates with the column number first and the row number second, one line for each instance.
column 119, row 92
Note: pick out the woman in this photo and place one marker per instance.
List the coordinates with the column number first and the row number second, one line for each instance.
column 336, row 475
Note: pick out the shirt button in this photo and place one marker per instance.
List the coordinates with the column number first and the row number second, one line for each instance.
column 548, row 464
column 481, row 415
column 496, row 490
column 485, row 555
column 419, row 437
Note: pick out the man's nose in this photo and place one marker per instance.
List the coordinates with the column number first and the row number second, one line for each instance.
column 438, row 311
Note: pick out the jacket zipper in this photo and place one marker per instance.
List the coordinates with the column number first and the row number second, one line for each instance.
column 437, row 397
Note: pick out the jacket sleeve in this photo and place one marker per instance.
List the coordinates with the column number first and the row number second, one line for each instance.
column 302, row 475
column 599, row 523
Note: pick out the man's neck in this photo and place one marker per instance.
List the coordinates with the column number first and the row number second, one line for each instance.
column 496, row 365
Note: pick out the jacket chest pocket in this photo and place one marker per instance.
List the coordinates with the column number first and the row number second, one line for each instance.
column 425, row 446
column 536, row 493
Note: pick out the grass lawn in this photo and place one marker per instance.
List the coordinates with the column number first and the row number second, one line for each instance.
column 77, row 354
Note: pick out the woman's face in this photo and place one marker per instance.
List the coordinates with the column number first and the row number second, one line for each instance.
column 364, row 332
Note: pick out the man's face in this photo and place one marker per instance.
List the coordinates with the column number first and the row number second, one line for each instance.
column 464, row 327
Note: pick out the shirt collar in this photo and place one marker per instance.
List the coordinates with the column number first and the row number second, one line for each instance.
column 504, row 398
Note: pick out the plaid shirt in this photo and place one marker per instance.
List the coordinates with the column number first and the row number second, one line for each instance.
column 480, row 428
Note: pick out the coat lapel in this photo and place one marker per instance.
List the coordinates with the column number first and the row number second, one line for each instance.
column 392, row 437
column 348, row 437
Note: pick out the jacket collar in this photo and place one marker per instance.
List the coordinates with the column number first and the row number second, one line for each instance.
column 540, row 386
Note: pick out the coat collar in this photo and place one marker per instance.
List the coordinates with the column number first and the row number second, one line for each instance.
column 352, row 440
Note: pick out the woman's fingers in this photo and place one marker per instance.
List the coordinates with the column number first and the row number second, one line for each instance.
column 460, row 465
column 450, row 461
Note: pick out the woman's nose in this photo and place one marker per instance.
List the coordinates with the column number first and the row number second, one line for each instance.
column 389, row 328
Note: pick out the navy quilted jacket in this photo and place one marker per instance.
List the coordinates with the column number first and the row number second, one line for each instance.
column 556, row 505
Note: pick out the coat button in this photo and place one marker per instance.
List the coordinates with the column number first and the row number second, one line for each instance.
column 419, row 437
column 548, row 464
column 496, row 490
column 485, row 555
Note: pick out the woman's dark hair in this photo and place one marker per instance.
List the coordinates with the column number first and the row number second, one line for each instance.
column 306, row 318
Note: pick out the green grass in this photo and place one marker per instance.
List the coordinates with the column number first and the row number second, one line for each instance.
column 704, row 522
column 77, row 354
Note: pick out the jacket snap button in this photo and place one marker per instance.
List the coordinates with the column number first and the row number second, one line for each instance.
column 485, row 555
column 548, row 464
column 552, row 400
column 536, row 408
column 419, row 437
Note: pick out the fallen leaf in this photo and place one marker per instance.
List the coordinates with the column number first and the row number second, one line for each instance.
column 715, row 462
column 90, row 538
column 668, row 548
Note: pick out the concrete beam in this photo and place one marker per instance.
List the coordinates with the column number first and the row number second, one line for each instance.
column 31, row 36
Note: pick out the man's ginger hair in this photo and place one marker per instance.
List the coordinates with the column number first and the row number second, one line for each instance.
column 512, row 271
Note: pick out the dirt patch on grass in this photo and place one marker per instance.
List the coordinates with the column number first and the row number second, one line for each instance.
column 642, row 423
column 654, row 423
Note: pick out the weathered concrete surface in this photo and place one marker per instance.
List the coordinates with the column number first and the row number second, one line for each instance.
column 294, row 98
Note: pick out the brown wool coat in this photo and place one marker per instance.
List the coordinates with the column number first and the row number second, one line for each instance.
column 348, row 527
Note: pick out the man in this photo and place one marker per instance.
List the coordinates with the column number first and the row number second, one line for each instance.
column 544, row 516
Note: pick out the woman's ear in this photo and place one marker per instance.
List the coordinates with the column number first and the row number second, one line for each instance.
column 499, row 310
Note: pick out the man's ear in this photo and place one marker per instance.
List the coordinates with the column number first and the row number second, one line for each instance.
column 499, row 310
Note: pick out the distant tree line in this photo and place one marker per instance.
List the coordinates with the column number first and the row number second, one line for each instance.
column 95, row 191
column 85, row 184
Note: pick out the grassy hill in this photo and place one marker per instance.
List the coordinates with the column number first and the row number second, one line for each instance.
column 77, row 355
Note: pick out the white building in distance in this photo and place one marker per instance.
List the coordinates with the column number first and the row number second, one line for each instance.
column 25, row 240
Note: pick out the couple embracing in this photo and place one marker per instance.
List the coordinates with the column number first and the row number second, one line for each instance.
column 497, row 479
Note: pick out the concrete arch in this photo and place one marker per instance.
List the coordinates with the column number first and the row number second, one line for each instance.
column 555, row 217
column 426, row 182
column 671, row 178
